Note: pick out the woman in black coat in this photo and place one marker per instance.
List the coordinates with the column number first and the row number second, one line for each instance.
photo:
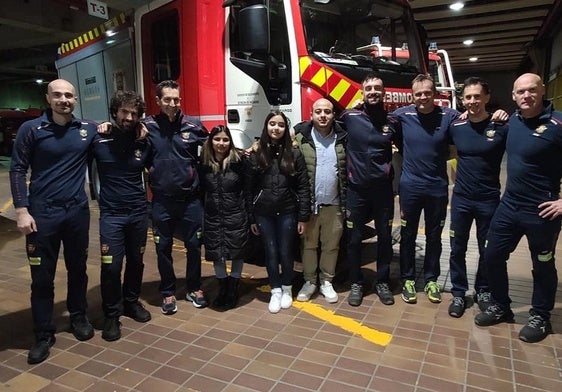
column 279, row 200
column 225, row 227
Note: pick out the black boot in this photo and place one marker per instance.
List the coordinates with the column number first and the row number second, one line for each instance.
column 220, row 301
column 232, row 294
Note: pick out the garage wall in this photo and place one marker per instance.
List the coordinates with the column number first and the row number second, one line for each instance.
column 23, row 96
column 554, row 82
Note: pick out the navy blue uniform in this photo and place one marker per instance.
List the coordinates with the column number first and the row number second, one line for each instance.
column 176, row 204
column 423, row 185
column 57, row 156
column 534, row 170
column 369, row 190
column 480, row 148
column 120, row 161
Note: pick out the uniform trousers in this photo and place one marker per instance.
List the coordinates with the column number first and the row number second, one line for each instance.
column 364, row 205
column 122, row 235
column 67, row 223
column 412, row 202
column 464, row 211
column 183, row 217
column 510, row 222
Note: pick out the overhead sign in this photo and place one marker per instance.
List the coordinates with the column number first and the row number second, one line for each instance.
column 98, row 9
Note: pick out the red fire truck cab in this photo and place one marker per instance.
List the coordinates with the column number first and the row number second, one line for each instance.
column 236, row 63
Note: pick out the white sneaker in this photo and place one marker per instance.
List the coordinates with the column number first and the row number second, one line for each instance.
column 287, row 297
column 275, row 301
column 306, row 292
column 328, row 292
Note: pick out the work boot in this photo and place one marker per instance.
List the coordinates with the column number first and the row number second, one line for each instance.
column 40, row 349
column 136, row 311
column 81, row 327
column 111, row 329
column 220, row 300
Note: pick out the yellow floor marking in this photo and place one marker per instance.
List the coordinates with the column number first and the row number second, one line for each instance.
column 6, row 205
column 345, row 323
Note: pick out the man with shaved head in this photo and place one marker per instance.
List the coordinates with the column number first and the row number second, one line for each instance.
column 370, row 196
column 53, row 210
column 322, row 142
column 530, row 206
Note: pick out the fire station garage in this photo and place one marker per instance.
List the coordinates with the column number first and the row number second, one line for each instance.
column 235, row 61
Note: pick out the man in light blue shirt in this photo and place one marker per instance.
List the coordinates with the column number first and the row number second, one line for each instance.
column 322, row 142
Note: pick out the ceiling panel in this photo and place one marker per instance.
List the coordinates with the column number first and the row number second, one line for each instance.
column 501, row 30
column 31, row 31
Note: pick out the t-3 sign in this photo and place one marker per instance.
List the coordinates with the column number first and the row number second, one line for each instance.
column 98, row 8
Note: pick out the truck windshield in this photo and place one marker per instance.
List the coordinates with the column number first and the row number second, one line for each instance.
column 355, row 36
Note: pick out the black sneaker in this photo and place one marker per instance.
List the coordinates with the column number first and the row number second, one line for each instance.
column 537, row 329
column 136, row 311
column 384, row 293
column 197, row 298
column 484, row 300
column 457, row 307
column 81, row 328
column 355, row 295
column 111, row 329
column 495, row 314
column 40, row 349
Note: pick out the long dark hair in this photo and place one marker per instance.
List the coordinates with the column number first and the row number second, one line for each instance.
column 283, row 150
column 209, row 158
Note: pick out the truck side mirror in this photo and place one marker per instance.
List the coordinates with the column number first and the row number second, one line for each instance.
column 253, row 22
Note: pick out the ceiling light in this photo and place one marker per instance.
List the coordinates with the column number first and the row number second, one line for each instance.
column 473, row 59
column 38, row 81
column 457, row 6
column 468, row 42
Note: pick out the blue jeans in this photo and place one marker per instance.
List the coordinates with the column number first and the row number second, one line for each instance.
column 278, row 236
column 463, row 212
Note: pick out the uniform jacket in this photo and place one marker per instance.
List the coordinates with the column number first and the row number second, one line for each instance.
column 303, row 138
column 58, row 158
column 225, row 228
column 369, row 147
column 120, row 160
column 174, row 154
column 534, row 148
column 271, row 192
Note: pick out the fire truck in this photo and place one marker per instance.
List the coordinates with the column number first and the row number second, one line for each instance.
column 439, row 68
column 238, row 60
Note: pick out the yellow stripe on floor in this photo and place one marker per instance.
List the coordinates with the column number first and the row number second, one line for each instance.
column 5, row 207
column 345, row 323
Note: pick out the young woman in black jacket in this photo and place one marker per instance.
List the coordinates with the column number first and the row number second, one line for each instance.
column 225, row 227
column 279, row 192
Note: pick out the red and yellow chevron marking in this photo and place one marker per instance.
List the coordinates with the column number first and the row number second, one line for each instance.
column 338, row 87
column 91, row 36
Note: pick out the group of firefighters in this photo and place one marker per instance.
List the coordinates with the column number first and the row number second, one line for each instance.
column 317, row 180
